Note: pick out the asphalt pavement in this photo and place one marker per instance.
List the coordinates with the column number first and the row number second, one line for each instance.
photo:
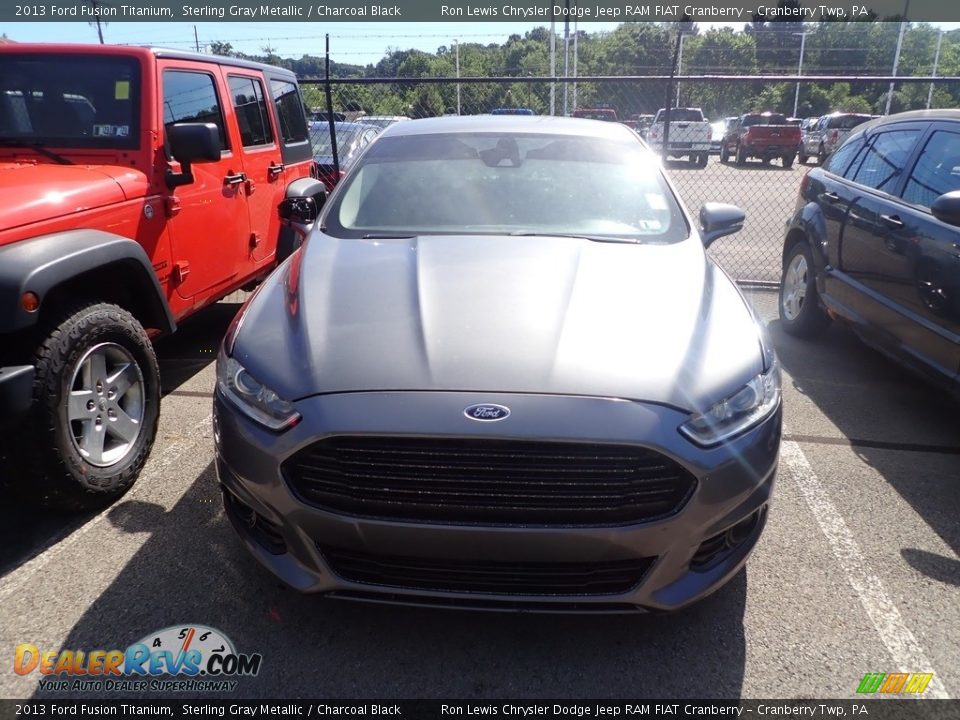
column 857, row 570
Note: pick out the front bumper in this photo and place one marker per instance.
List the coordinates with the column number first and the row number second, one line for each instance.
column 16, row 393
column 734, row 483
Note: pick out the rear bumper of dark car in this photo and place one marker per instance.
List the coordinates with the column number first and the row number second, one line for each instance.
column 372, row 553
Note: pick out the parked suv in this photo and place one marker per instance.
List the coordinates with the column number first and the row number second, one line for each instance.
column 761, row 135
column 875, row 240
column 827, row 134
column 136, row 187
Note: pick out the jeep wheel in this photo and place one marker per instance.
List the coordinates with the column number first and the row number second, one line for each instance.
column 96, row 403
column 741, row 155
column 800, row 311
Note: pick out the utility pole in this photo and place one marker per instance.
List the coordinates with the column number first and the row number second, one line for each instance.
column 796, row 94
column 679, row 68
column 575, row 33
column 456, row 47
column 196, row 40
column 936, row 61
column 682, row 26
column 896, row 56
column 553, row 62
column 96, row 14
column 566, row 56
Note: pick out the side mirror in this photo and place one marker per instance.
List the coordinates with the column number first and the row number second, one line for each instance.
column 304, row 200
column 946, row 208
column 190, row 143
column 719, row 219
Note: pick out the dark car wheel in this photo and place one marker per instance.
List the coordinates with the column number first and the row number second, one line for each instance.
column 800, row 311
column 702, row 160
column 803, row 157
column 821, row 155
column 724, row 154
column 741, row 155
column 94, row 417
column 787, row 161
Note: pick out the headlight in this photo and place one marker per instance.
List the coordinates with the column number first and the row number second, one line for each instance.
column 731, row 416
column 253, row 398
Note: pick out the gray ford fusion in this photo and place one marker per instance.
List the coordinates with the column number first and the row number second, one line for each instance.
column 501, row 373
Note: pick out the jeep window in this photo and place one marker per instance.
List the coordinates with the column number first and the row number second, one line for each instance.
column 937, row 170
column 191, row 97
column 290, row 113
column 883, row 161
column 70, row 101
column 251, row 107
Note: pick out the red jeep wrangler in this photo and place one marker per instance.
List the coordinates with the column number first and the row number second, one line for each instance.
column 136, row 187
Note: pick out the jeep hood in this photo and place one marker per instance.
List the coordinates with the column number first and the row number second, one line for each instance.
column 33, row 192
column 550, row 315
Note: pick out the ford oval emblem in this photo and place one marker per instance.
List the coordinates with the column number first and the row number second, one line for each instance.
column 487, row 412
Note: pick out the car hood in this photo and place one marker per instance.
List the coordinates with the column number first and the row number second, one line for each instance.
column 33, row 192
column 548, row 315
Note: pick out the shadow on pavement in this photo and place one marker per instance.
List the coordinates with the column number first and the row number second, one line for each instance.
column 193, row 569
column 26, row 532
column 902, row 427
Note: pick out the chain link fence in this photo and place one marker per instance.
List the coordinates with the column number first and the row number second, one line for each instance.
column 766, row 189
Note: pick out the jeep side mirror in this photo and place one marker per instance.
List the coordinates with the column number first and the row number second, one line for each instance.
column 190, row 143
column 946, row 208
column 719, row 219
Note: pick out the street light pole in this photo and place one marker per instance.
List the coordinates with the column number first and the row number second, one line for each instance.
column 553, row 62
column 896, row 56
column 456, row 49
column 575, row 33
column 936, row 60
column 796, row 94
column 679, row 68
column 566, row 56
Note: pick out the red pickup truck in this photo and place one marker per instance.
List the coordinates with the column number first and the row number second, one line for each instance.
column 761, row 135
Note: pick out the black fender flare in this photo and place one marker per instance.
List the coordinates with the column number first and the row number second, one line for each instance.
column 43, row 263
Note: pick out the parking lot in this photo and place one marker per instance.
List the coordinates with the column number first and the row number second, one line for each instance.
column 857, row 571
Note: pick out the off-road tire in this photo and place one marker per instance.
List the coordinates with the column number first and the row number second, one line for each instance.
column 48, row 468
column 808, row 319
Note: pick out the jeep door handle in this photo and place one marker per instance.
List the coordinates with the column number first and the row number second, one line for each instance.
column 235, row 179
column 893, row 221
column 275, row 168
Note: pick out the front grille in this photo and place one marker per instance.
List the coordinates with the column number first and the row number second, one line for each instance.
column 488, row 481
column 495, row 577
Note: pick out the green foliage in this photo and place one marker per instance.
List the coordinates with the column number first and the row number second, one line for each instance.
column 764, row 47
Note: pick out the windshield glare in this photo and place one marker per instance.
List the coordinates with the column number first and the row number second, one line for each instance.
column 497, row 183
column 63, row 101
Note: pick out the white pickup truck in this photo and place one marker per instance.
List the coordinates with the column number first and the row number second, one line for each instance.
column 690, row 135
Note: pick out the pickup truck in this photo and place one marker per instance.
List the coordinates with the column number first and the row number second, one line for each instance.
column 825, row 135
column 690, row 134
column 137, row 186
column 761, row 135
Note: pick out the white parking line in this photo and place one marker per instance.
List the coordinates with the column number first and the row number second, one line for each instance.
column 907, row 654
column 159, row 464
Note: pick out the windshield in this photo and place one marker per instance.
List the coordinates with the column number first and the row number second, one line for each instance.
column 497, row 183
column 751, row 120
column 69, row 101
column 846, row 122
column 348, row 137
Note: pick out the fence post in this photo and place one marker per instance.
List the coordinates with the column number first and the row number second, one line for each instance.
column 330, row 121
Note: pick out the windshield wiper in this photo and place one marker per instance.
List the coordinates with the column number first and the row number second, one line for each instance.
column 35, row 145
column 591, row 238
column 387, row 236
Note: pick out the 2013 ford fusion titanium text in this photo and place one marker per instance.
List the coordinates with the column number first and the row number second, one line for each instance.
column 502, row 374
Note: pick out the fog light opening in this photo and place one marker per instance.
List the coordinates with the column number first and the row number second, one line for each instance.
column 719, row 546
column 255, row 526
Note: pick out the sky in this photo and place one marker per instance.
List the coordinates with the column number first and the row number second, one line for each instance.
column 355, row 43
